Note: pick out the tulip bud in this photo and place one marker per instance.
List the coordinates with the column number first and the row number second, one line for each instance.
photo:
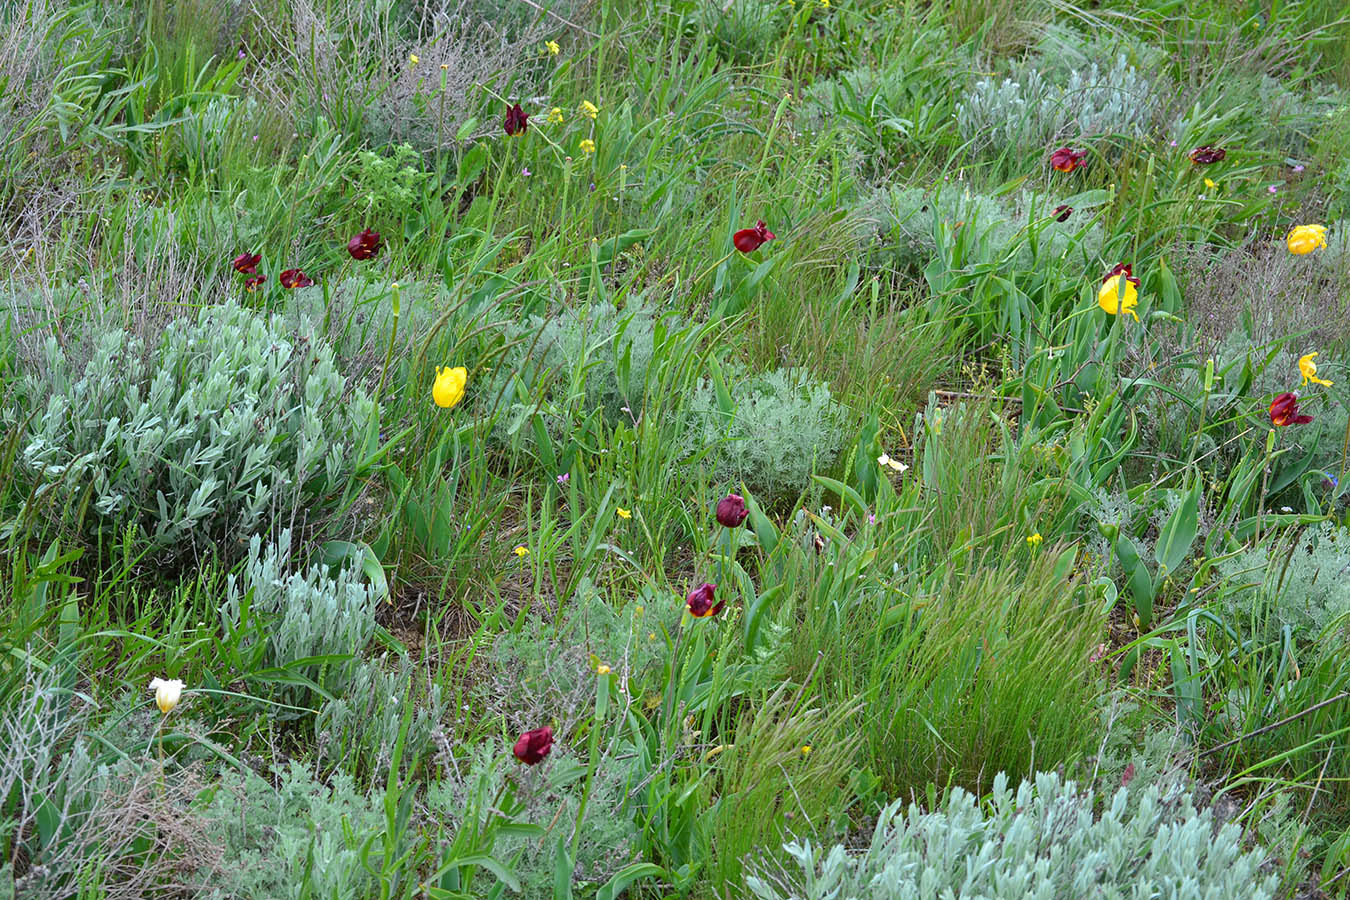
column 167, row 693
column 700, row 601
column 532, row 746
column 731, row 511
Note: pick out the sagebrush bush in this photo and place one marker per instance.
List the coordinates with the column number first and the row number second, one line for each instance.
column 281, row 613
column 1302, row 581
column 361, row 727
column 1043, row 841
column 785, row 426
column 228, row 424
column 1028, row 110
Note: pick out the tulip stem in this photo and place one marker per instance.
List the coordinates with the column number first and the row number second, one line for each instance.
column 389, row 351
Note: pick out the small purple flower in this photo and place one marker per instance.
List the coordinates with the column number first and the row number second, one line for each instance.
column 1173, row 144
column 526, row 172
column 1298, row 168
column 564, row 478
column 871, row 518
column 1272, row 188
column 241, row 53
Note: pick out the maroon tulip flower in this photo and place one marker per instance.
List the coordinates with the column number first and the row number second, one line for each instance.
column 731, row 511
column 294, row 278
column 1066, row 159
column 253, row 282
column 365, row 245
column 246, row 264
column 748, row 240
column 1284, row 411
column 1062, row 213
column 700, row 601
column 516, row 121
column 1121, row 269
column 1207, row 154
column 532, row 746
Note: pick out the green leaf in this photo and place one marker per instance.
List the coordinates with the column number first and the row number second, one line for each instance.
column 625, row 877
column 1176, row 537
column 335, row 554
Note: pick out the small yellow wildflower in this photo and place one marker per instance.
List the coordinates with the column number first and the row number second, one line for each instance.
column 1307, row 238
column 587, row 146
column 825, row 4
column 1308, row 369
column 445, row 67
column 1209, row 183
column 639, row 609
column 449, row 387
column 806, row 749
column 651, row 635
column 1109, row 296
column 555, row 116
column 412, row 59
column 602, row 669
column 1034, row 540
column 624, row 513
column 552, row 47
column 589, row 109
column 522, row 551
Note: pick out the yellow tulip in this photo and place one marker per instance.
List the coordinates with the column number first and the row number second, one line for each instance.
column 1110, row 299
column 1307, row 238
column 449, row 387
column 1308, row 369
column 167, row 692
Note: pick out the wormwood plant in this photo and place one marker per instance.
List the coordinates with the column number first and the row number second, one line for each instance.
column 229, row 422
column 303, row 622
column 1042, row 842
column 768, row 431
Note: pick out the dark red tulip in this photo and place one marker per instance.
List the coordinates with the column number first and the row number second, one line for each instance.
column 253, row 282
column 294, row 278
column 246, row 264
column 748, row 240
column 1062, row 213
column 532, row 746
column 731, row 510
column 365, row 245
column 1207, row 154
column 516, row 121
column 1066, row 159
column 1284, row 411
column 1121, row 269
column 700, row 601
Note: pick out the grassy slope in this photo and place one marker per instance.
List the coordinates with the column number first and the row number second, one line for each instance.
column 1099, row 556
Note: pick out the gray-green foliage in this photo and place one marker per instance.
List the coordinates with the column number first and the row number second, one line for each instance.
column 1041, row 842
column 363, row 724
column 230, row 421
column 302, row 838
column 1029, row 110
column 1302, row 580
column 785, row 425
column 285, row 615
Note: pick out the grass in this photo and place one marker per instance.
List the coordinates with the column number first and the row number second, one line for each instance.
column 369, row 597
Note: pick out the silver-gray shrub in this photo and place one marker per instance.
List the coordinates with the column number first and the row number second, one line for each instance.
column 284, row 614
column 1029, row 110
column 362, row 726
column 231, row 421
column 785, row 425
column 1043, row 841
